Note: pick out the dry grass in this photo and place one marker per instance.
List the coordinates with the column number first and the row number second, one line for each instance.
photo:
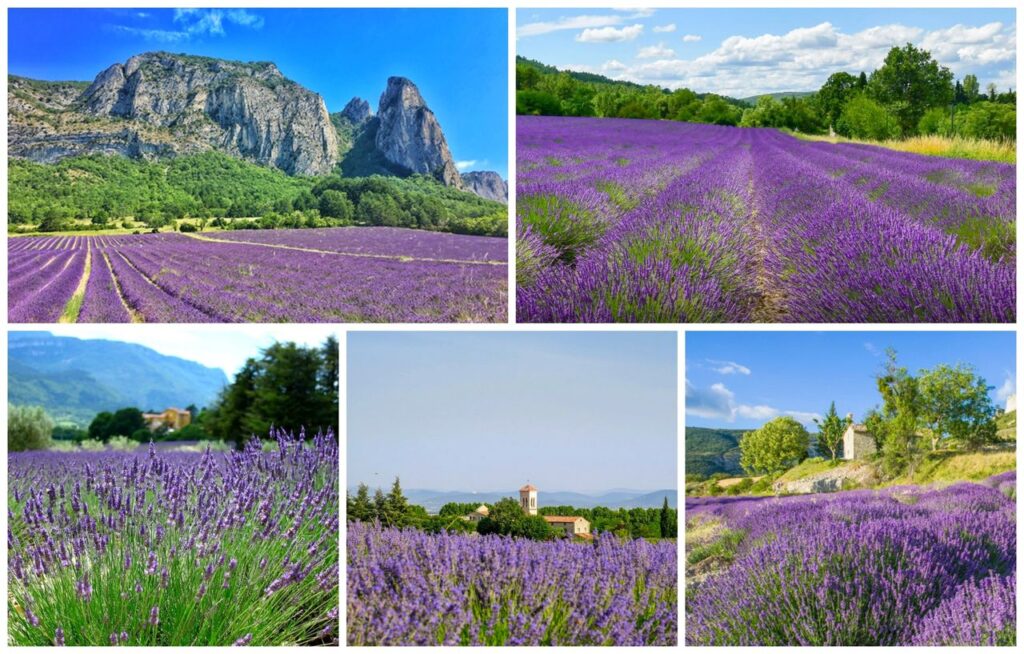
column 957, row 147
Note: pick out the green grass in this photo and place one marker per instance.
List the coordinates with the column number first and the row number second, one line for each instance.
column 949, row 467
column 723, row 547
column 808, row 468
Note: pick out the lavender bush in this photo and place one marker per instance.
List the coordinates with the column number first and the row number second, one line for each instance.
column 364, row 274
column 893, row 567
column 407, row 587
column 163, row 548
column 654, row 221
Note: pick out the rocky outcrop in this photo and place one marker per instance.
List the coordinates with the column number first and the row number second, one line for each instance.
column 409, row 136
column 857, row 474
column 167, row 104
column 357, row 111
column 158, row 105
column 487, row 184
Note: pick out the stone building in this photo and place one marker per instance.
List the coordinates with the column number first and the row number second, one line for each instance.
column 479, row 513
column 528, row 499
column 858, row 443
column 172, row 419
column 569, row 526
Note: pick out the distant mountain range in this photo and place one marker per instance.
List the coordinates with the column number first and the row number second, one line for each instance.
column 158, row 105
column 74, row 379
column 433, row 500
column 713, row 450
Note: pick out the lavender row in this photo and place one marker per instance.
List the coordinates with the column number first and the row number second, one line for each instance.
column 407, row 587
column 102, row 301
column 44, row 301
column 878, row 568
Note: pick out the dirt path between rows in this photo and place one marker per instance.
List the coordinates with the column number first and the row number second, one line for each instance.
column 393, row 257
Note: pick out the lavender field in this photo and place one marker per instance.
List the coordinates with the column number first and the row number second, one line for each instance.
column 170, row 548
column 656, row 221
column 365, row 274
column 903, row 566
column 407, row 587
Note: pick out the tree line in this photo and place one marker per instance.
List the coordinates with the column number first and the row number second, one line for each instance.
column 211, row 189
column 909, row 94
column 288, row 386
column 945, row 407
column 505, row 517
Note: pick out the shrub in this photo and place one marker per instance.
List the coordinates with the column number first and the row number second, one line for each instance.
column 92, row 445
column 28, row 428
column 122, row 443
column 863, row 118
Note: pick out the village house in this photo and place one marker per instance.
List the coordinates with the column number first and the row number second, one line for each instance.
column 478, row 514
column 569, row 526
column 171, row 419
column 858, row 443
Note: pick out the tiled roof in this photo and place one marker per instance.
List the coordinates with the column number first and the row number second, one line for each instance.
column 528, row 487
column 562, row 518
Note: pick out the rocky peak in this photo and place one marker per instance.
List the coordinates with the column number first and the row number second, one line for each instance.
column 357, row 111
column 248, row 109
column 409, row 135
column 487, row 184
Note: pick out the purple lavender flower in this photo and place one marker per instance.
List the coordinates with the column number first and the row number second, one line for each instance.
column 243, row 641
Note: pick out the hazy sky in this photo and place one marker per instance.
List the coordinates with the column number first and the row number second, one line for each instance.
column 743, row 379
column 218, row 346
column 749, row 51
column 457, row 58
column 584, row 411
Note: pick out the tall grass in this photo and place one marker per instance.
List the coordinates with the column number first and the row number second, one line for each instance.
column 957, row 147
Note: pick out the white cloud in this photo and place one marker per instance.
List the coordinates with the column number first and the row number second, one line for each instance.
column 664, row 29
column 804, row 417
column 872, row 349
column 1008, row 388
column 692, row 38
column 717, row 402
column 729, row 367
column 610, row 34
column 193, row 23
column 568, row 23
column 613, row 65
column 655, row 52
column 803, row 58
column 465, row 165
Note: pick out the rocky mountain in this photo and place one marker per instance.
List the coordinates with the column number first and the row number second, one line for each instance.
column 74, row 379
column 487, row 184
column 158, row 105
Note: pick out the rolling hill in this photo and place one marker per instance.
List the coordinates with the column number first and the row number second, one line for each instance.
column 709, row 451
column 74, row 379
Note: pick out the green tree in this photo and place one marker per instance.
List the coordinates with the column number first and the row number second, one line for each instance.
column 971, row 88
column 830, row 431
column 666, row 521
column 899, row 419
column 908, row 83
column 360, row 506
column 776, row 446
column 335, row 204
column 28, row 428
column 834, row 94
column 863, row 118
column 506, row 519
column 396, row 507
column 989, row 120
column 955, row 404
column 99, row 428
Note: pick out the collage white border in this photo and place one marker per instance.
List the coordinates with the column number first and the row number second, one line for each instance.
column 343, row 329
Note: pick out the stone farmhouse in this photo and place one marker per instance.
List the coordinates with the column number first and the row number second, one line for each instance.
column 479, row 513
column 858, row 443
column 172, row 419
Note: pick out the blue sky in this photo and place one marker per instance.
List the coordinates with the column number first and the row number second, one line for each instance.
column 744, row 52
column 218, row 346
column 458, row 58
column 743, row 379
column 489, row 411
